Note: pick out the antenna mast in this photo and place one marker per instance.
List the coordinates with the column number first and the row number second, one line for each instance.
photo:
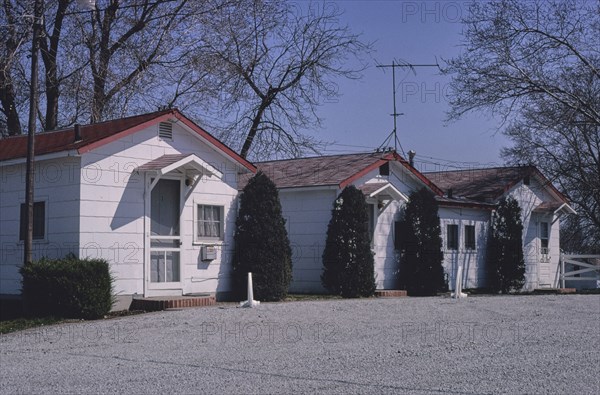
column 395, row 114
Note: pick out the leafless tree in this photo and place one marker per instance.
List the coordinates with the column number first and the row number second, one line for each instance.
column 123, row 43
column 16, row 34
column 536, row 64
column 256, row 70
column 97, row 64
column 275, row 63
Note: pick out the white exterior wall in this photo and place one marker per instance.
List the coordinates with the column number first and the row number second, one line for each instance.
column 541, row 271
column 56, row 183
column 386, row 257
column 114, row 218
column 472, row 261
column 307, row 214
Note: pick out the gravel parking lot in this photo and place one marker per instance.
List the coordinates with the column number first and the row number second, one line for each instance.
column 478, row 345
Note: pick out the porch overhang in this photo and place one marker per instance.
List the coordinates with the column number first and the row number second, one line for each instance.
column 190, row 164
column 384, row 190
column 555, row 208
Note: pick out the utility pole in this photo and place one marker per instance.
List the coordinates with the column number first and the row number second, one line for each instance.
column 395, row 113
column 33, row 105
column 38, row 15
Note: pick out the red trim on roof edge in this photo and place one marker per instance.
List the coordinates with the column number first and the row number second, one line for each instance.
column 213, row 140
column 417, row 174
column 361, row 173
column 395, row 157
column 124, row 133
column 173, row 113
column 544, row 181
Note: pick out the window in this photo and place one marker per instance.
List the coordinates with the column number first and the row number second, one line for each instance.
column 544, row 233
column 39, row 221
column 209, row 221
column 469, row 237
column 452, row 237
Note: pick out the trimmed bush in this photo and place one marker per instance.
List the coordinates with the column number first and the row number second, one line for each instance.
column 421, row 270
column 68, row 288
column 262, row 246
column 348, row 265
column 505, row 262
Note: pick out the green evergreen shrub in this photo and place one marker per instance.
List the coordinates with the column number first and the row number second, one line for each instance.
column 420, row 242
column 348, row 265
column 68, row 288
column 261, row 241
column 505, row 262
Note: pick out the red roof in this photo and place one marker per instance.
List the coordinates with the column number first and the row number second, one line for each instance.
column 98, row 134
column 334, row 170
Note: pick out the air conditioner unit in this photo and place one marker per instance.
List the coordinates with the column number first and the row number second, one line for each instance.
column 208, row 253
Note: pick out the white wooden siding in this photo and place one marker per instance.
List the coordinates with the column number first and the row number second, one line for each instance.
column 57, row 183
column 386, row 258
column 307, row 214
column 538, row 274
column 472, row 261
column 113, row 212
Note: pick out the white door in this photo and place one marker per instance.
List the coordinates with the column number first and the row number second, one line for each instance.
column 545, row 257
column 164, row 271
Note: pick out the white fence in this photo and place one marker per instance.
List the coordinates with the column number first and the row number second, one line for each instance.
column 587, row 263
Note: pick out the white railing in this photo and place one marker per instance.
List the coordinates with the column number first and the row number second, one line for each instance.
column 581, row 261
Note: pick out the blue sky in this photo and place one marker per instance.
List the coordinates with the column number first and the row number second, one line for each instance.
column 414, row 32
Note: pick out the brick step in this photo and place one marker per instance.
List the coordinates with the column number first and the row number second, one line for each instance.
column 157, row 304
column 390, row 293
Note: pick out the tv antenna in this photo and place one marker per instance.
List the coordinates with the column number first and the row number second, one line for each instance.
column 399, row 64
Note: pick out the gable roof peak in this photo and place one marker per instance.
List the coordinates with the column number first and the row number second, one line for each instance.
column 98, row 134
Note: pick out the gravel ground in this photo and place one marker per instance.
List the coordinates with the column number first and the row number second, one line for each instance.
column 478, row 345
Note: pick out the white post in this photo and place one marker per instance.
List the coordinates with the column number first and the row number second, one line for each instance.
column 250, row 302
column 458, row 285
column 562, row 270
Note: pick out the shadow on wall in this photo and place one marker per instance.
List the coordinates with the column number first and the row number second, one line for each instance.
column 131, row 205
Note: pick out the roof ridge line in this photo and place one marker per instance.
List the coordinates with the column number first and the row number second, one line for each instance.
column 478, row 168
column 319, row 156
column 67, row 128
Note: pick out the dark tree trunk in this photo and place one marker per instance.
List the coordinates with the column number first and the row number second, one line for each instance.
column 49, row 56
column 264, row 104
column 7, row 89
column 7, row 98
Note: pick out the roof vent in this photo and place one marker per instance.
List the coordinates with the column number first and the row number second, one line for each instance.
column 165, row 130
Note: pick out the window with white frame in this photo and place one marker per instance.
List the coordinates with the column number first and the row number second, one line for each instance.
column 209, row 222
column 544, row 238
